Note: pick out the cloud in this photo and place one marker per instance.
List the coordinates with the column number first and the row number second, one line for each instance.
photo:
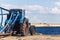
column 57, row 3
column 28, row 8
column 55, row 10
column 34, row 8
column 41, row 9
column 9, row 6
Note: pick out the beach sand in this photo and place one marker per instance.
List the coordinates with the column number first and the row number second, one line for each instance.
column 34, row 37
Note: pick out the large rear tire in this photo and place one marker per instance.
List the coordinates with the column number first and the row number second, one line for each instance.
column 25, row 27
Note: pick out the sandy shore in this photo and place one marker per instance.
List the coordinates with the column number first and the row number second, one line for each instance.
column 34, row 37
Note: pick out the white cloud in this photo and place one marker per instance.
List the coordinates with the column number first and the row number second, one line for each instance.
column 57, row 3
column 34, row 8
column 28, row 8
column 9, row 6
column 40, row 9
column 55, row 10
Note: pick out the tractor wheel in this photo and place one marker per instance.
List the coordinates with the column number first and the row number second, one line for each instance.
column 25, row 27
column 22, row 30
column 32, row 30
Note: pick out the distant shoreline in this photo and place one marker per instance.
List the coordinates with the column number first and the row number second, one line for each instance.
column 46, row 25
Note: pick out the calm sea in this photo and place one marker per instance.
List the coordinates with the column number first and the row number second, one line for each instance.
column 48, row 30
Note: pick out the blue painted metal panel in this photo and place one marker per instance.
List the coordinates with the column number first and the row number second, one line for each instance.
column 23, row 16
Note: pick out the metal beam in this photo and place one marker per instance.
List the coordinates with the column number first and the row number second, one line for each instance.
column 1, row 17
column 4, row 9
column 3, row 14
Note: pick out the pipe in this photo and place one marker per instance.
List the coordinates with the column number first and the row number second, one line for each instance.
column 4, row 9
column 6, row 24
column 1, row 17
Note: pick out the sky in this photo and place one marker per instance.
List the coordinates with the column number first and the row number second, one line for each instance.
column 37, row 11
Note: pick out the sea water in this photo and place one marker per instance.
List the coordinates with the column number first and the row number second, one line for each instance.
column 48, row 30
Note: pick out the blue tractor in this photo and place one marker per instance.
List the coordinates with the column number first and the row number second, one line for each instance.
column 16, row 22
